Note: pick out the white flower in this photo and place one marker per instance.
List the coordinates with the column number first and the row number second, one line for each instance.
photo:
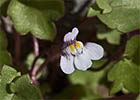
column 78, row 56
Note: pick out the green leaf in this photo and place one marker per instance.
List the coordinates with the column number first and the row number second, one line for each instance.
column 125, row 15
column 5, row 57
column 104, row 5
column 16, row 87
column 92, row 12
column 112, row 36
column 7, row 75
column 132, row 50
column 54, row 9
column 87, row 78
column 90, row 81
column 29, row 19
column 118, row 86
column 125, row 74
column 24, row 90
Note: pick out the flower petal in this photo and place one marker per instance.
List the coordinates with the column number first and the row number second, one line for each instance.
column 94, row 50
column 66, row 64
column 75, row 30
column 71, row 35
column 82, row 61
column 67, row 37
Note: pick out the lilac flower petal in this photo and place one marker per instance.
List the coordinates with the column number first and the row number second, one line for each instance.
column 82, row 61
column 75, row 30
column 67, row 37
column 71, row 35
column 66, row 64
column 94, row 50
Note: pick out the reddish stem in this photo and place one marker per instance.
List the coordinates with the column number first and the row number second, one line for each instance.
column 36, row 47
column 34, row 68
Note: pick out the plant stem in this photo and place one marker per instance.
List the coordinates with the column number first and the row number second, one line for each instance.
column 33, row 67
column 36, row 46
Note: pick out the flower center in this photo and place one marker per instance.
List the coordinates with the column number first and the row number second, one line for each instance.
column 76, row 48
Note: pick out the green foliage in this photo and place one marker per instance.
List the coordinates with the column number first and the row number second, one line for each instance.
column 8, row 74
column 54, row 9
column 91, row 79
column 34, row 20
column 5, row 57
column 24, row 90
column 93, row 12
column 113, row 15
column 104, row 5
column 112, row 36
column 117, row 19
column 16, row 87
column 125, row 74
column 132, row 50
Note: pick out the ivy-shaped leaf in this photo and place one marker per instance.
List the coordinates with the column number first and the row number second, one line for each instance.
column 30, row 19
column 5, row 57
column 6, row 77
column 125, row 15
column 13, row 86
column 125, row 74
column 23, row 90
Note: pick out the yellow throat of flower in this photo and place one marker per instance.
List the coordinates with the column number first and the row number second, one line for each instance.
column 76, row 47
